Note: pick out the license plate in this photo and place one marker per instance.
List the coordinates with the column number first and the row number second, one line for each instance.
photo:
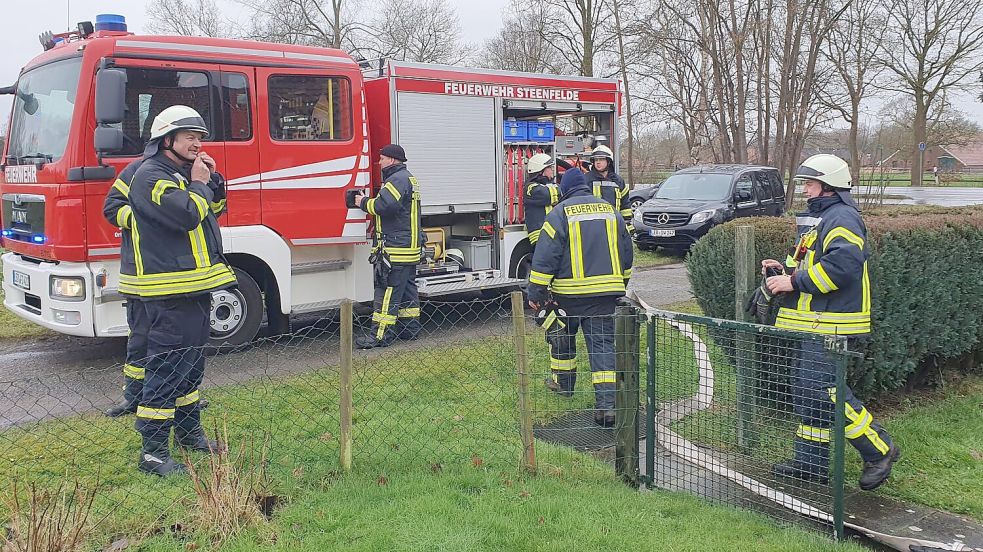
column 22, row 280
column 660, row 233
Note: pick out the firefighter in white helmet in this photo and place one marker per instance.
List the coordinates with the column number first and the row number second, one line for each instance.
column 826, row 290
column 176, row 263
column 607, row 184
column 540, row 195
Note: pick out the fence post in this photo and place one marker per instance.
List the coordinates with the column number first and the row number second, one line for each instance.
column 626, row 397
column 744, row 278
column 841, row 357
column 521, row 364
column 651, row 403
column 345, row 440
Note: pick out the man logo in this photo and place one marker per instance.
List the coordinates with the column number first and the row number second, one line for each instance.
column 662, row 219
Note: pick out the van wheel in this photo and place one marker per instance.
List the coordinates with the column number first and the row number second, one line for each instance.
column 236, row 313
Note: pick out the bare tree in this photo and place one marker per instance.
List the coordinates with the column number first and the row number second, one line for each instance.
column 852, row 50
column 520, row 46
column 804, row 27
column 426, row 31
column 619, row 31
column 187, row 18
column 577, row 30
column 311, row 22
column 936, row 49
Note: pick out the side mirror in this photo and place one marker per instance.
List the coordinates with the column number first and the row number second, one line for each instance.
column 108, row 140
column 743, row 196
column 110, row 96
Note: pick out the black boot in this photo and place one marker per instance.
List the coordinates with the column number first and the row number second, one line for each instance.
column 155, row 458
column 369, row 342
column 197, row 441
column 809, row 463
column 604, row 418
column 131, row 398
column 876, row 473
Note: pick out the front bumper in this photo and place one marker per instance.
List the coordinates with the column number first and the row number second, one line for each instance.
column 100, row 314
column 676, row 236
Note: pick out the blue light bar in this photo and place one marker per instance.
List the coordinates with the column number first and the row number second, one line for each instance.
column 37, row 238
column 6, row 233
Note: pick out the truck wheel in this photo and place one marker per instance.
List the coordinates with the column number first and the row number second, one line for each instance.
column 236, row 313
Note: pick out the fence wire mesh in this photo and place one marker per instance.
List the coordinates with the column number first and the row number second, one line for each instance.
column 485, row 385
column 745, row 415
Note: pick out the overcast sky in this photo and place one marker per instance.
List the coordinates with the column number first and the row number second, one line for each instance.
column 26, row 19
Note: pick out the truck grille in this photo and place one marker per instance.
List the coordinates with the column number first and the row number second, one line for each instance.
column 23, row 216
column 665, row 220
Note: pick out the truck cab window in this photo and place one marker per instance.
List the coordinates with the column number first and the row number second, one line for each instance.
column 150, row 91
column 310, row 108
column 235, row 112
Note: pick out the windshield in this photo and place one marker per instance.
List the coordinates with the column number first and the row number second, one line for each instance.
column 43, row 110
column 699, row 186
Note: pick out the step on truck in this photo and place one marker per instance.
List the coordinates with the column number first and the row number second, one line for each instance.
column 292, row 128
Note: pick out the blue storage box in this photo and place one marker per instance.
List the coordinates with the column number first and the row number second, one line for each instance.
column 540, row 131
column 515, row 131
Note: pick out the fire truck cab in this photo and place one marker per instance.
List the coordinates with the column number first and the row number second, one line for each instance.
column 292, row 128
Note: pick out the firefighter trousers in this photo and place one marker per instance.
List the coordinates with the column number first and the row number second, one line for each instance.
column 599, row 335
column 814, row 397
column 396, row 311
column 176, row 331
column 136, row 353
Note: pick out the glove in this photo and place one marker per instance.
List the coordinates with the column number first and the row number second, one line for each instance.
column 759, row 304
column 217, row 185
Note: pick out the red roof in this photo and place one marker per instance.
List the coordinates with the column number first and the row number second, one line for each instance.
column 970, row 155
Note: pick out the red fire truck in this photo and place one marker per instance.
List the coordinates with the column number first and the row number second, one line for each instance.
column 292, row 128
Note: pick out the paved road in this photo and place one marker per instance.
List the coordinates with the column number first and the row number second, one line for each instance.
column 59, row 376
column 944, row 196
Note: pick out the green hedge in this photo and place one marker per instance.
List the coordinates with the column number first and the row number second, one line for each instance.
column 926, row 289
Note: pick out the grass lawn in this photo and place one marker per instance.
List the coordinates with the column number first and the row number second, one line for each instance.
column 658, row 257
column 436, row 453
column 941, row 436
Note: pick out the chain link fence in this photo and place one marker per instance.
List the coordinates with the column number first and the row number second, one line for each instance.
column 676, row 402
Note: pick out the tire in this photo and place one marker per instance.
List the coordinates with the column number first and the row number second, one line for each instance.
column 236, row 313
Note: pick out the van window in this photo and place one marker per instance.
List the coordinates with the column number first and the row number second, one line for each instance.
column 310, row 108
column 776, row 184
column 762, row 188
column 150, row 91
column 744, row 185
column 235, row 113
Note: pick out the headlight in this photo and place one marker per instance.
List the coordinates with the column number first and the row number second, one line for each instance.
column 637, row 215
column 703, row 216
column 67, row 288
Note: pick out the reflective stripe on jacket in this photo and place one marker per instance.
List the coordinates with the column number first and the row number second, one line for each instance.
column 174, row 232
column 611, row 188
column 831, row 282
column 540, row 196
column 584, row 250
column 396, row 209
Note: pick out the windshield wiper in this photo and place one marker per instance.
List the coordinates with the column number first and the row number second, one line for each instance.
column 20, row 159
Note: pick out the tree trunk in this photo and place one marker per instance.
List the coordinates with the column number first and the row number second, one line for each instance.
column 628, row 112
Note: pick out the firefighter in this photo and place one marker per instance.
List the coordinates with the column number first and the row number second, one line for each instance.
column 583, row 258
column 827, row 291
column 541, row 194
column 176, row 263
column 607, row 184
column 117, row 211
column 397, row 250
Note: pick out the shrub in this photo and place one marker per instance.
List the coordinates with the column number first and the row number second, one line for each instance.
column 927, row 311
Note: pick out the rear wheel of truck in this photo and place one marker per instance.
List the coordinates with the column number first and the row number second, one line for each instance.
column 236, row 313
